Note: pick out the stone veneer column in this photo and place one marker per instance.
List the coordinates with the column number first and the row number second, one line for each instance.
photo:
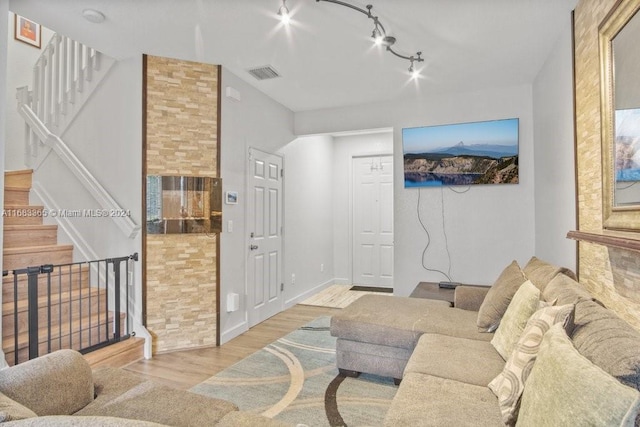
column 181, row 139
column 612, row 275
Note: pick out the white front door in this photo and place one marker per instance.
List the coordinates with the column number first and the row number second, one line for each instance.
column 373, row 221
column 264, row 220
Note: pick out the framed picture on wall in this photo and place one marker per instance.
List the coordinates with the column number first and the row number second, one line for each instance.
column 27, row 31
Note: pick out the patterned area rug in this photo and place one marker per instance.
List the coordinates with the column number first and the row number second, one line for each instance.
column 295, row 380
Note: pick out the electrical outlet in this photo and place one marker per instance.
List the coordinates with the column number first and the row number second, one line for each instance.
column 293, row 278
column 321, row 268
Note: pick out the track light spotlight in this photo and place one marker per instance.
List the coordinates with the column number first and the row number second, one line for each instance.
column 415, row 73
column 284, row 14
column 377, row 36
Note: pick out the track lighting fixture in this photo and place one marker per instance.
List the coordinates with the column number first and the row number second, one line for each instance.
column 284, row 14
column 379, row 34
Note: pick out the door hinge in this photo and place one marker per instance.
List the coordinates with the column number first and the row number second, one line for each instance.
column 281, row 287
column 281, row 173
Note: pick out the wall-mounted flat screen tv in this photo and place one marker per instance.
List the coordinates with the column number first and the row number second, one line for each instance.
column 461, row 154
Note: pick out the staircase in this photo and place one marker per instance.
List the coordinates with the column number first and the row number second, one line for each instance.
column 70, row 311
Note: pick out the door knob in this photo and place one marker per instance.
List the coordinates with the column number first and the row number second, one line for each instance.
column 253, row 247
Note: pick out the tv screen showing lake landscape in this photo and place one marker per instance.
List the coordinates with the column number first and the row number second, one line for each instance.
column 461, row 154
column 627, row 149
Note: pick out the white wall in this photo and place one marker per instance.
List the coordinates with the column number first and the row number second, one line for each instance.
column 555, row 192
column 345, row 148
column 308, row 214
column 22, row 58
column 255, row 121
column 488, row 226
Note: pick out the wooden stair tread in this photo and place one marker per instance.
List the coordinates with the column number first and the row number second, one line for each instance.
column 18, row 172
column 87, row 322
column 19, row 258
column 22, row 178
column 7, row 207
column 29, row 227
column 31, row 249
column 66, row 296
column 84, row 269
column 117, row 355
column 21, row 235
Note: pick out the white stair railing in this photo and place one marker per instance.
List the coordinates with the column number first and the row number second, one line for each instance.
column 59, row 77
column 64, row 76
column 102, row 196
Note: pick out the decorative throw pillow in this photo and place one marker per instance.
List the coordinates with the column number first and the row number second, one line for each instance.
column 498, row 297
column 565, row 290
column 522, row 306
column 509, row 384
column 599, row 330
column 565, row 388
column 541, row 272
column 10, row 410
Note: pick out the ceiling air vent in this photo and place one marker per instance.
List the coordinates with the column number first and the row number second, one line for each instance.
column 264, row 73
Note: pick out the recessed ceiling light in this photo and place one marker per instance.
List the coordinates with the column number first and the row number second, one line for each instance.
column 93, row 15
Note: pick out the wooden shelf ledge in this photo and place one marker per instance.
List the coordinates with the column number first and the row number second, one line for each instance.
column 614, row 239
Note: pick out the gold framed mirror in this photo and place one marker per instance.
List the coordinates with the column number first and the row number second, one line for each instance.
column 620, row 108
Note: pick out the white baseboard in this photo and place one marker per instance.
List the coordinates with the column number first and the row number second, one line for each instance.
column 298, row 298
column 342, row 281
column 233, row 332
column 142, row 332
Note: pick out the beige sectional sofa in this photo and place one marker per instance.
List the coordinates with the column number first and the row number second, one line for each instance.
column 60, row 389
column 444, row 361
column 451, row 369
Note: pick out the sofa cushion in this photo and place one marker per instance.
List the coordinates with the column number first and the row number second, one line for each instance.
column 126, row 395
column 509, row 384
column 522, row 306
column 400, row 321
column 426, row 400
column 375, row 359
column 461, row 359
column 565, row 388
column 63, row 376
column 599, row 330
column 499, row 296
column 10, row 410
column 564, row 290
column 541, row 272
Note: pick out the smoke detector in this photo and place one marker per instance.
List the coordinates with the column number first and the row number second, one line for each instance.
column 93, row 15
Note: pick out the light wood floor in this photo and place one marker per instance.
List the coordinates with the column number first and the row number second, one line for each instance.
column 184, row 369
column 337, row 296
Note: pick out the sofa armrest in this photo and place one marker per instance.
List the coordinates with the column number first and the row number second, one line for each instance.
column 58, row 383
column 469, row 297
